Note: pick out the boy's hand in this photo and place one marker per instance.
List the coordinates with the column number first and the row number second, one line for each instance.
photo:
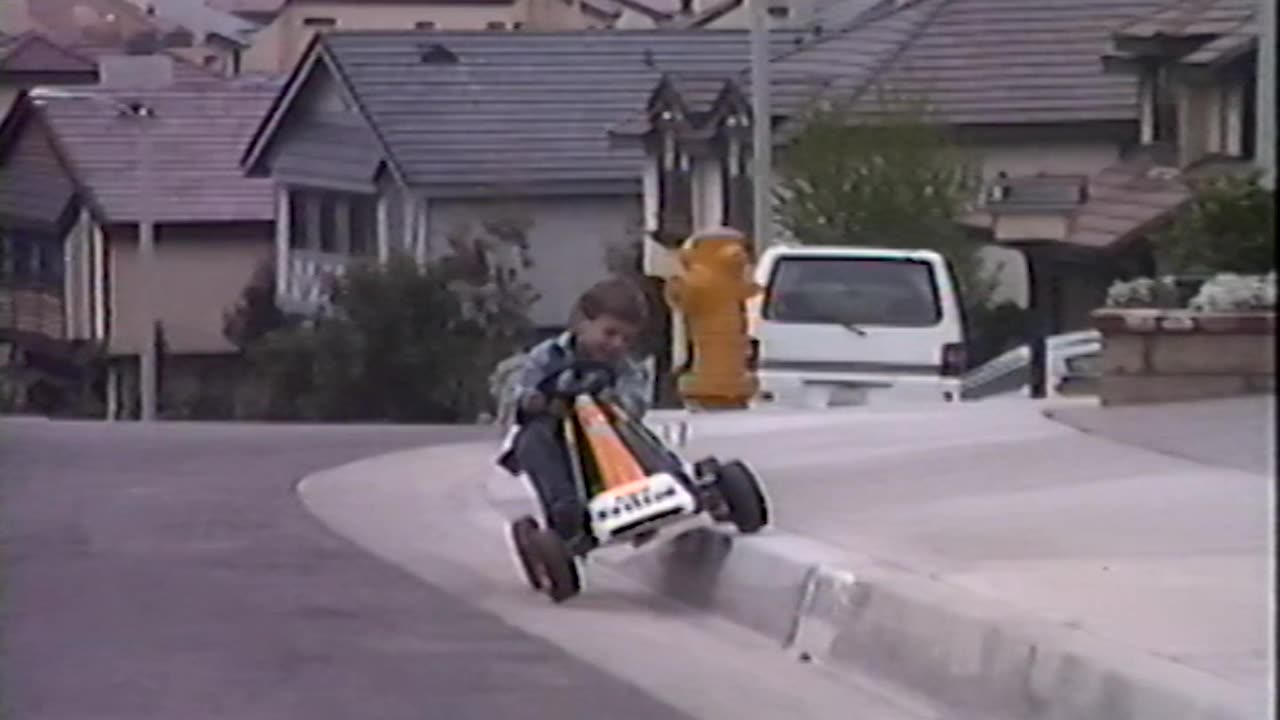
column 536, row 403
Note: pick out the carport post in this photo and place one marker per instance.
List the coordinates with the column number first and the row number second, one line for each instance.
column 1039, row 279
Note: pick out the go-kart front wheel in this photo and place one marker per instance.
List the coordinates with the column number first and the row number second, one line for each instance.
column 554, row 566
column 748, row 509
column 522, row 532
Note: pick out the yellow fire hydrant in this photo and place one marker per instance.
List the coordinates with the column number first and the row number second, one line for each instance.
column 711, row 291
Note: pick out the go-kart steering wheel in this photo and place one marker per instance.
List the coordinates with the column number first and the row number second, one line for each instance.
column 588, row 377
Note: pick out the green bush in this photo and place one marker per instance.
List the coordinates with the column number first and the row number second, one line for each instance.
column 400, row 342
column 1230, row 226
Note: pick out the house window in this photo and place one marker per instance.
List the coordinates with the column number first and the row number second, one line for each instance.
column 333, row 222
column 364, row 225
column 424, row 25
column 1249, row 119
column 319, row 22
column 1165, row 115
column 496, row 25
column 27, row 259
column 779, row 12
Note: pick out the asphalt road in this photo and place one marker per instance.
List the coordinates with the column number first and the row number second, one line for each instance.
column 170, row 572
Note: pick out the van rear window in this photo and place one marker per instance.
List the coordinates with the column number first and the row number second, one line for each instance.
column 853, row 291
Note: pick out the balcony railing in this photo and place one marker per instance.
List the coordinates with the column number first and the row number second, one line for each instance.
column 308, row 277
column 30, row 308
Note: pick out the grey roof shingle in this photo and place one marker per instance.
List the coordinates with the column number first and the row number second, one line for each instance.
column 1126, row 200
column 1224, row 48
column 988, row 62
column 33, row 53
column 328, row 155
column 519, row 108
column 34, row 186
column 198, row 136
column 1189, row 18
column 1015, row 61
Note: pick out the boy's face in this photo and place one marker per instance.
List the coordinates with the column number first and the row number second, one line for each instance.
column 605, row 338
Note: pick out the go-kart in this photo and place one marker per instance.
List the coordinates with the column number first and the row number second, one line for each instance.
column 632, row 485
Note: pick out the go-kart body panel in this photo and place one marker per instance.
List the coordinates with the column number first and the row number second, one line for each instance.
column 625, row 495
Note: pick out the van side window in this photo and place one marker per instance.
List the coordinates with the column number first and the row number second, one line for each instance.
column 853, row 291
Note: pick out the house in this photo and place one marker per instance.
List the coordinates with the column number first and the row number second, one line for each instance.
column 31, row 59
column 782, row 14
column 288, row 28
column 214, row 227
column 414, row 136
column 36, row 343
column 220, row 37
column 1022, row 85
column 118, row 23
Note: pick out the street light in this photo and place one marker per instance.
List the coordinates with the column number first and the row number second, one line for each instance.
column 762, row 126
column 142, row 113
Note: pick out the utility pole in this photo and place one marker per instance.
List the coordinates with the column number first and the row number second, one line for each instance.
column 1265, row 146
column 762, row 128
column 147, row 375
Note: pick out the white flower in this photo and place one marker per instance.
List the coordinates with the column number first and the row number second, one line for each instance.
column 1229, row 292
column 1143, row 292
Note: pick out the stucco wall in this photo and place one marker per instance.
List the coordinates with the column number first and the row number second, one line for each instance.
column 569, row 240
column 200, row 273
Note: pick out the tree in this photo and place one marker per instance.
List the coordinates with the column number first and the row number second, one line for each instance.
column 404, row 341
column 1229, row 226
column 257, row 313
column 883, row 178
column 890, row 178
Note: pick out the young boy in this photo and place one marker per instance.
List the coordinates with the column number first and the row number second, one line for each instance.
column 606, row 322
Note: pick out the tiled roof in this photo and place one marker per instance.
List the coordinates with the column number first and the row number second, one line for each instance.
column 1191, row 18
column 987, row 62
column 198, row 137
column 70, row 21
column 519, row 108
column 1125, row 200
column 247, row 7
column 33, row 53
column 34, row 186
column 1015, row 61
column 185, row 72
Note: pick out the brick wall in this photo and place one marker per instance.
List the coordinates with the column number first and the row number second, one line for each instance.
column 1151, row 356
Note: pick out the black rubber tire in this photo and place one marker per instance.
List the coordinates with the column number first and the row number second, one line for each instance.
column 748, row 509
column 556, row 566
column 522, row 530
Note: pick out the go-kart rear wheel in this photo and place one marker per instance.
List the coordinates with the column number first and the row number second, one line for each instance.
column 522, row 530
column 555, row 566
column 748, row 509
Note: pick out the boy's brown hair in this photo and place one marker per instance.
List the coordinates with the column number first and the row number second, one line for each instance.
column 616, row 297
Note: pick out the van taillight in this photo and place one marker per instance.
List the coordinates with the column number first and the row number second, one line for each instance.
column 954, row 359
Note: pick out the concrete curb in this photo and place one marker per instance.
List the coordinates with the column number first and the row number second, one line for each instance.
column 980, row 659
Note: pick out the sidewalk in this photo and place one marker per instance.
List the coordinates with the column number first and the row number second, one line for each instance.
column 998, row 562
column 1151, row 558
column 1233, row 432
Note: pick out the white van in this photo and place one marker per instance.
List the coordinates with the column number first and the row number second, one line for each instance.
column 852, row 325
